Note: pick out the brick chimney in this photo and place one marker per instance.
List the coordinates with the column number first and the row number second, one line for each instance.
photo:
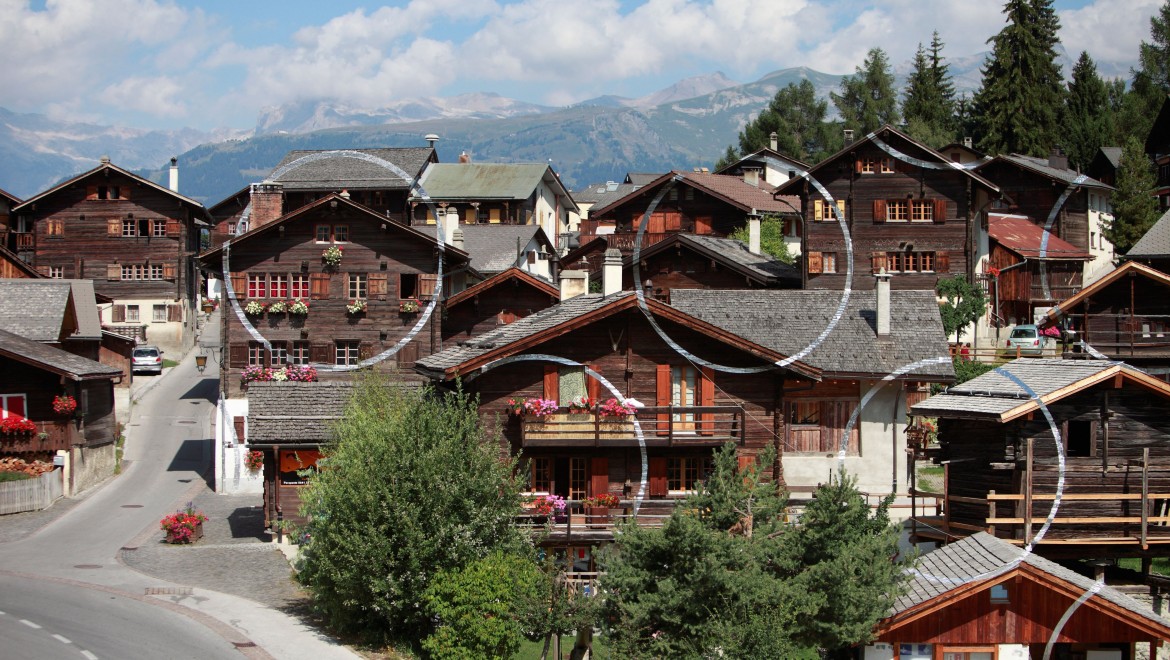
column 611, row 272
column 573, row 283
column 754, row 232
column 173, row 183
column 267, row 203
column 883, row 303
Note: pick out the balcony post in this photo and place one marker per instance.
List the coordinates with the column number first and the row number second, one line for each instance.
column 990, row 512
column 670, row 426
column 1028, row 495
column 1145, row 494
column 596, row 425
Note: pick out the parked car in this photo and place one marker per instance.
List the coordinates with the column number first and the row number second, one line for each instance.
column 147, row 359
column 1027, row 338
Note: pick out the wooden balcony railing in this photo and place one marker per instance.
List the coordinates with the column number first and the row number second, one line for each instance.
column 49, row 437
column 25, row 240
column 582, row 523
column 625, row 241
column 662, row 426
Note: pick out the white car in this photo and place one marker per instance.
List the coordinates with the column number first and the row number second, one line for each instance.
column 147, row 359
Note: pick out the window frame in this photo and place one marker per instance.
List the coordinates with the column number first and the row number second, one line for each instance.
column 897, row 210
column 154, row 313
column 256, row 354
column 346, row 352
column 684, row 471
column 921, row 210
column 129, row 228
column 133, row 314
column 278, row 355
column 158, row 228
column 5, row 406
column 257, row 285
column 300, row 353
column 278, row 285
column 358, row 286
column 298, row 282
column 56, row 272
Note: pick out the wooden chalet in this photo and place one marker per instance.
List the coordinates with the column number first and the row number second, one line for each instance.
column 919, row 223
column 12, row 265
column 1153, row 248
column 134, row 238
column 1105, row 164
column 499, row 300
column 963, row 152
column 1123, row 316
column 496, row 248
column 982, row 598
column 1029, row 271
column 1002, row 466
column 371, row 177
column 693, row 202
column 1158, row 149
column 7, row 237
column 36, row 373
column 601, row 194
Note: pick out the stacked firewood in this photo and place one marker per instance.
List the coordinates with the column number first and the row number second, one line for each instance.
column 31, row 468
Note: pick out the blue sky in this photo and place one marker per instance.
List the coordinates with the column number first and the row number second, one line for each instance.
column 157, row 64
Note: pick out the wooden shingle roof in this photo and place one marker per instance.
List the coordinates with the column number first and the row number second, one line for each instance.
column 55, row 360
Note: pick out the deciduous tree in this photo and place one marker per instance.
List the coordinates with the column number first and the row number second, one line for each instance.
column 963, row 304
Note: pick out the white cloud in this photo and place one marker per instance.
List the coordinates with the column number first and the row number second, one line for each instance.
column 1109, row 31
column 159, row 96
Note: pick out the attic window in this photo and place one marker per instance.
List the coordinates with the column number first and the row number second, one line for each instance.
column 109, row 192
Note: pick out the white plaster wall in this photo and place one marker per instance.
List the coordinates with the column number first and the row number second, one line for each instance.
column 540, row 267
column 1102, row 250
column 231, row 475
column 167, row 335
column 89, row 466
column 1013, row 652
column 879, row 651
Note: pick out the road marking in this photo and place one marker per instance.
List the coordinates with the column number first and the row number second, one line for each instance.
column 30, row 624
column 63, row 640
column 89, row 655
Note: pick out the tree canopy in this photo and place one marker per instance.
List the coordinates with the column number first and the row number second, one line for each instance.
column 868, row 99
column 1088, row 120
column 963, row 304
column 1135, row 209
column 798, row 119
column 929, row 105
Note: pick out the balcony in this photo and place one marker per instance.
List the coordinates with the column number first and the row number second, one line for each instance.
column 581, row 525
column 56, row 435
column 625, row 241
column 25, row 240
column 662, row 426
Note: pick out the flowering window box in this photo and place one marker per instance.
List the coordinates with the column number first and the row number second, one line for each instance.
column 408, row 306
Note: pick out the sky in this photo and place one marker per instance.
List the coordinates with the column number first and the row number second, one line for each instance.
column 218, row 63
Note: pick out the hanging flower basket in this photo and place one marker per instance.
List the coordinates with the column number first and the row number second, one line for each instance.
column 254, row 461
column 298, row 306
column 254, row 307
column 356, row 306
column 64, row 404
column 332, row 256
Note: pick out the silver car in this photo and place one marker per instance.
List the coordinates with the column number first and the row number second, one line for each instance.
column 147, row 359
column 1026, row 338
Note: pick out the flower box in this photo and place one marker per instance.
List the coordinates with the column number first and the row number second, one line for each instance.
column 278, row 307
column 356, row 306
column 332, row 256
column 178, row 537
column 408, row 306
column 298, row 306
column 184, row 526
column 254, row 308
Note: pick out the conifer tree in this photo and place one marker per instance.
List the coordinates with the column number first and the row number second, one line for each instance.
column 1151, row 80
column 1088, row 122
column 1135, row 208
column 868, row 100
column 929, row 105
column 798, row 119
column 1023, row 87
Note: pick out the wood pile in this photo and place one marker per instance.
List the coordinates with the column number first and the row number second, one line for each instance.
column 31, row 468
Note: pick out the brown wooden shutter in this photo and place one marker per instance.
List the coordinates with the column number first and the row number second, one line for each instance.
column 657, row 224
column 238, row 424
column 238, row 356
column 168, row 271
column 113, row 272
column 174, row 228
column 703, row 224
column 114, row 227
column 599, row 475
column 175, row 313
column 662, row 382
column 745, row 462
column 365, row 350
column 879, row 210
column 819, row 210
column 657, row 471
column 240, row 283
column 814, row 263
column 940, row 211
column 426, row 285
column 319, row 286
column 673, row 221
column 592, row 385
column 119, row 313
column 706, row 398
column 878, row 261
column 857, row 166
column 378, row 286
column 123, row 192
column 321, row 353
column 407, row 355
column 552, row 383
column 942, row 262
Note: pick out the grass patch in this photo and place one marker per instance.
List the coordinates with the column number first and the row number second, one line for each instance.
column 13, row 476
column 119, row 445
column 167, row 363
column 1160, row 565
column 930, row 478
column 531, row 650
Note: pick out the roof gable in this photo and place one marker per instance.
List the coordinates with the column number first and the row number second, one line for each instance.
column 36, row 309
column 495, row 248
column 1155, row 242
column 1041, row 167
column 730, row 190
column 488, row 181
column 727, row 252
column 514, row 275
column 101, row 169
column 1125, row 270
column 55, row 360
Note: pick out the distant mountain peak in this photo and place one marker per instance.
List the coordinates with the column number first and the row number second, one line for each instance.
column 687, row 88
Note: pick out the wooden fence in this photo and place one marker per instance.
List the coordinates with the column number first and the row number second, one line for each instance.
column 30, row 494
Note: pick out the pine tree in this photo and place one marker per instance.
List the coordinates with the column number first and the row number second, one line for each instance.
column 867, row 100
column 1023, row 87
column 1151, row 80
column 929, row 105
column 798, row 119
column 1088, row 122
column 1135, row 208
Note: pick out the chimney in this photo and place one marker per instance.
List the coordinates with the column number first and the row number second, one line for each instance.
column 751, row 176
column 967, row 142
column 754, row 232
column 1057, row 160
column 267, row 203
column 104, row 160
column 848, row 136
column 883, row 303
column 431, row 139
column 573, row 283
column 457, row 238
column 464, row 157
column 344, row 194
column 611, row 272
column 173, row 184
column 450, row 224
column 774, row 140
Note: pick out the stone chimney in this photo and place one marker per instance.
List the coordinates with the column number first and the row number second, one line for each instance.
column 173, row 183
column 573, row 283
column 611, row 272
column 848, row 136
column 267, row 203
column 754, row 232
column 1057, row 159
column 774, row 140
column 457, row 238
column 967, row 142
column 751, row 176
column 464, row 157
column 450, row 224
column 883, row 303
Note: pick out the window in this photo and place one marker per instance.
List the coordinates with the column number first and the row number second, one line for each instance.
column 866, row 166
column 805, row 413
column 922, row 210
column 872, row 165
column 12, row 405
column 279, row 354
column 910, row 262
column 299, row 285
column 334, row 233
column 828, row 262
column 578, row 479
column 129, row 227
column 278, row 286
column 684, row 381
column 340, row 233
column 109, row 192
column 896, row 210
column 57, row 272
column 132, row 315
column 540, row 475
column 57, row 227
column 323, row 233
column 158, row 228
column 407, row 286
column 255, row 354
column 683, row 473
column 154, row 272
column 159, row 313
column 570, row 385
column 300, row 353
column 1080, row 438
column 257, row 285
column 887, row 165
column 823, row 210
column 357, row 285
column 231, row 229
column 346, row 353
column 818, row 426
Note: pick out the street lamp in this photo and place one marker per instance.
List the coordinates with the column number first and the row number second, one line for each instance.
column 200, row 362
column 202, row 355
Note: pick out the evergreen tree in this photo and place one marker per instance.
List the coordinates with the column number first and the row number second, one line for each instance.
column 798, row 119
column 867, row 100
column 1151, row 80
column 929, row 104
column 1088, row 121
column 1135, row 208
column 1023, row 87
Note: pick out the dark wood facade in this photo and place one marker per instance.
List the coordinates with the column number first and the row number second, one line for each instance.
column 1034, row 194
column 499, row 300
column 93, row 425
column 1019, row 288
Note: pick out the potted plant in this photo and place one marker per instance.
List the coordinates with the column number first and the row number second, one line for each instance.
column 546, row 506
column 278, row 307
column 600, row 509
column 254, row 308
column 254, row 373
column 184, row 526
column 582, row 404
column 408, row 305
column 207, row 306
column 332, row 256
column 63, row 404
column 17, row 426
column 356, row 306
column 298, row 306
column 254, row 461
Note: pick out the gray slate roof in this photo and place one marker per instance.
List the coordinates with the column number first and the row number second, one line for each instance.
column 787, row 321
column 342, row 171
column 54, row 359
column 1155, row 242
column 602, row 193
column 480, row 181
column 295, row 413
column 34, row 309
column 1113, row 155
column 982, row 556
column 493, row 247
column 995, row 394
column 766, row 268
column 1041, row 165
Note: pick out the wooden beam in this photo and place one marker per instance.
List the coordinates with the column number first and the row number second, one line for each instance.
column 1028, row 493
column 1145, row 494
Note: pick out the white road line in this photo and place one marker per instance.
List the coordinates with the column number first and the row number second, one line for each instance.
column 30, row 624
column 63, row 640
column 89, row 655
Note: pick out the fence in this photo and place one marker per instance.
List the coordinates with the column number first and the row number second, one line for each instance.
column 30, row 494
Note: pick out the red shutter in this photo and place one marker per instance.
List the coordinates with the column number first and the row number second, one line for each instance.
column 599, row 476
column 168, row 271
column 319, row 286
column 552, row 383
column 174, row 228
column 114, row 227
column 703, row 224
column 662, row 381
column 238, row 356
column 378, row 286
column 240, row 283
column 814, row 263
column 658, row 476
column 592, row 385
column 15, row 406
column 879, row 210
column 940, row 211
column 238, row 423
column 119, row 313
column 942, row 262
column 878, row 261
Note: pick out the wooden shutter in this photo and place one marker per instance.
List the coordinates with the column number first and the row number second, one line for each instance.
column 878, row 261
column 15, row 406
column 91, row 192
column 319, row 286
column 238, row 424
column 940, row 211
column 123, row 192
column 942, row 262
column 745, row 462
column 662, row 381
column 114, row 227
column 657, row 224
column 469, row 216
column 879, row 210
column 857, row 166
column 168, row 271
column 494, row 216
column 599, row 475
column 174, row 228
column 818, row 209
column 834, row 418
column 814, row 263
column 407, row 355
column 365, row 350
column 175, row 313
column 592, row 385
column 379, row 283
column 119, row 314
column 426, row 285
column 673, row 221
column 552, row 383
column 657, row 476
column 321, row 353
column 703, row 224
column 240, row 283
column 706, row 398
column 238, row 356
